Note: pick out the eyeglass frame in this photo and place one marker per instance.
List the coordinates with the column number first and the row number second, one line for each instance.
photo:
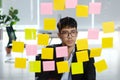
column 69, row 33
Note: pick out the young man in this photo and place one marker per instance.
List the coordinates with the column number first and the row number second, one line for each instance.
column 67, row 28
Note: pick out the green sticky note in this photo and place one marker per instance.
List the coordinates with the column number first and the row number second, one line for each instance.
column 35, row 66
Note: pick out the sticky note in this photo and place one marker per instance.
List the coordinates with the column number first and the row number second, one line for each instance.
column 17, row 46
column 77, row 68
column 62, row 51
column 59, row 4
column 95, row 52
column 30, row 34
column 31, row 49
column 47, row 53
column 82, row 11
column 82, row 44
column 94, row 8
column 101, row 66
column 49, row 24
column 48, row 65
column 43, row 39
column 20, row 62
column 62, row 66
column 107, row 42
column 108, row 27
column 34, row 66
column 93, row 33
column 71, row 3
column 82, row 56
column 46, row 8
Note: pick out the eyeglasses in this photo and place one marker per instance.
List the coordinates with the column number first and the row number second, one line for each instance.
column 66, row 33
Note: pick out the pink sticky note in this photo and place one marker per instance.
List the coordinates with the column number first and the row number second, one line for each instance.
column 93, row 33
column 71, row 3
column 48, row 65
column 94, row 8
column 31, row 50
column 61, row 51
column 46, row 8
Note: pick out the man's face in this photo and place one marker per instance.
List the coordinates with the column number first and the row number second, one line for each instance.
column 68, row 36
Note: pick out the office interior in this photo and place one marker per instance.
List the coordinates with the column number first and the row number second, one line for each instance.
column 30, row 17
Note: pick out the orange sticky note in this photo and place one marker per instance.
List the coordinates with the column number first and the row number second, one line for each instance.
column 82, row 11
column 82, row 56
column 77, row 68
column 43, row 39
column 82, row 44
column 30, row 34
column 35, row 66
column 108, row 27
column 95, row 52
column 18, row 46
column 107, row 42
column 62, row 67
column 59, row 4
column 49, row 24
column 20, row 62
column 101, row 65
column 47, row 53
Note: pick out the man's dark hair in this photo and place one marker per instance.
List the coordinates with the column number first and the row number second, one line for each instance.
column 66, row 22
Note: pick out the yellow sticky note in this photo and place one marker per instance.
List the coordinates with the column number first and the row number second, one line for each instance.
column 30, row 34
column 107, row 42
column 77, row 68
column 82, row 11
column 82, row 44
column 43, row 39
column 20, row 62
column 108, row 27
column 35, row 66
column 49, row 24
column 17, row 46
column 101, row 65
column 59, row 4
column 95, row 52
column 82, row 56
column 62, row 66
column 47, row 53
